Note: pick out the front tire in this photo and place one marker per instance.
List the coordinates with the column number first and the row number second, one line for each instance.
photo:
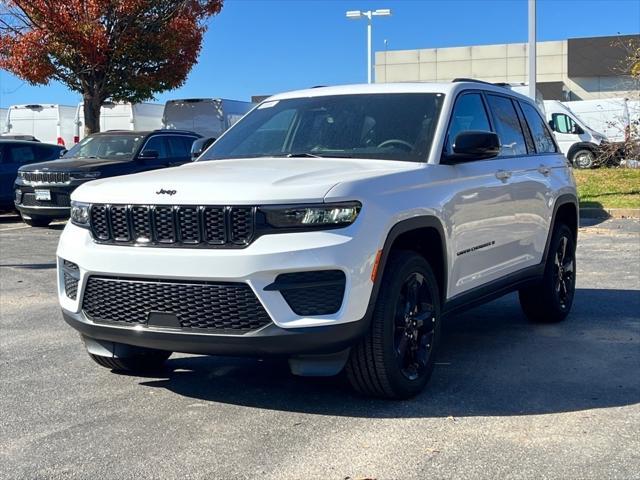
column 550, row 300
column 395, row 359
column 583, row 158
column 147, row 361
column 34, row 221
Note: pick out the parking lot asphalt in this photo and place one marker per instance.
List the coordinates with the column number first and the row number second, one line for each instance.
column 508, row 399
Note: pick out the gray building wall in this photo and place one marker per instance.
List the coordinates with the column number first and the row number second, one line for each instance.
column 556, row 60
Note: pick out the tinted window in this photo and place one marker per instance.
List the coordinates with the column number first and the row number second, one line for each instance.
column 468, row 114
column 395, row 126
column 157, row 143
column 21, row 154
column 44, row 153
column 180, row 145
column 507, row 126
column 541, row 136
column 105, row 146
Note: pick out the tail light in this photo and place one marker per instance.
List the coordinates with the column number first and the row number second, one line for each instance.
column 61, row 141
column 76, row 139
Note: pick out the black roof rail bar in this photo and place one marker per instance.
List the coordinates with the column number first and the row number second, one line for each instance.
column 455, row 80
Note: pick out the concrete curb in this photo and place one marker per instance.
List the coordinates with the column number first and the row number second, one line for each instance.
column 610, row 212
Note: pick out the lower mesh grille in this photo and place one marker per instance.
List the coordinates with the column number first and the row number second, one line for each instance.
column 70, row 286
column 312, row 293
column 57, row 200
column 71, row 274
column 230, row 308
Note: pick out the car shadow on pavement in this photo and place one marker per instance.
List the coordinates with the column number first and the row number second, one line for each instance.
column 492, row 363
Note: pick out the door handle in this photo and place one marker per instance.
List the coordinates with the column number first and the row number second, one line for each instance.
column 503, row 175
column 544, row 170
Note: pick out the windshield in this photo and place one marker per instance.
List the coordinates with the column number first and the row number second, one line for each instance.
column 106, row 146
column 397, row 126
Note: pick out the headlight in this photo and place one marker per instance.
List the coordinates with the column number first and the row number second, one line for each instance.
column 80, row 213
column 84, row 175
column 329, row 215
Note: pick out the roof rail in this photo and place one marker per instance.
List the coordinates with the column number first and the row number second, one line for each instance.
column 456, row 80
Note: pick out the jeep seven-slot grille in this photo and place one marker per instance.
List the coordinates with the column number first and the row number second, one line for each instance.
column 171, row 225
column 45, row 177
column 226, row 308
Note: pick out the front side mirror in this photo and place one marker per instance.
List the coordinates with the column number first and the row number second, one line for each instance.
column 63, row 152
column 200, row 145
column 473, row 145
column 149, row 155
column 552, row 125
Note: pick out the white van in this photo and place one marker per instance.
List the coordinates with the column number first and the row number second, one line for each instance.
column 49, row 123
column 578, row 142
column 3, row 119
column 122, row 116
column 209, row 117
column 611, row 116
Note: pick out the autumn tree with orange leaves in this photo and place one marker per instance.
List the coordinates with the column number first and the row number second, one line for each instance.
column 119, row 50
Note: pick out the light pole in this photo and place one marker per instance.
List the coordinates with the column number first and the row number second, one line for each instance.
column 369, row 14
column 532, row 49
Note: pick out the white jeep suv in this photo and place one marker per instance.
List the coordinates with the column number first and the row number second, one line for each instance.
column 334, row 226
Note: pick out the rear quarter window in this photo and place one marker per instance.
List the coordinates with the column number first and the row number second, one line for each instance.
column 541, row 136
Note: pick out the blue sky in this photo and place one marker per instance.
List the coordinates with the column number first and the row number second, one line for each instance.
column 266, row 46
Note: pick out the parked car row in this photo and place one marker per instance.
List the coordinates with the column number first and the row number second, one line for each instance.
column 64, row 125
column 43, row 189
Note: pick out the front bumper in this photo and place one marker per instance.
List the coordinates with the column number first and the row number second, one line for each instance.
column 57, row 207
column 257, row 266
column 271, row 340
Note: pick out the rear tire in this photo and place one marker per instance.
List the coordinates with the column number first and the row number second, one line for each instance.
column 550, row 300
column 583, row 158
column 34, row 221
column 151, row 360
column 395, row 359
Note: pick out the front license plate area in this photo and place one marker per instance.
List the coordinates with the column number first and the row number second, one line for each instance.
column 43, row 195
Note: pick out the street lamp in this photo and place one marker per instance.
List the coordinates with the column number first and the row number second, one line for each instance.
column 369, row 14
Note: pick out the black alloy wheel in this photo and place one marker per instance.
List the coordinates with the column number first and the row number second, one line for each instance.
column 563, row 273
column 414, row 326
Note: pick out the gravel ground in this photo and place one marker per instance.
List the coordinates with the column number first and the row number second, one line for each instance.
column 507, row 399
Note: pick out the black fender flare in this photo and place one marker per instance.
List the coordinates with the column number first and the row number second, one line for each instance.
column 563, row 199
column 404, row 226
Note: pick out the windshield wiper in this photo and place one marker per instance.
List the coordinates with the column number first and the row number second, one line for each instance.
column 302, row 155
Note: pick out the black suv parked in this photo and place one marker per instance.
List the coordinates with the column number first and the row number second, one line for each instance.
column 13, row 155
column 43, row 190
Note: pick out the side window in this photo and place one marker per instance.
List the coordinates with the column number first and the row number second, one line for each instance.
column 507, row 126
column 562, row 123
column 46, row 153
column 178, row 146
column 541, row 136
column 158, row 144
column 21, row 154
column 468, row 114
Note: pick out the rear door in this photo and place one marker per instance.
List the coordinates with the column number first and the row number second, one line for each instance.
column 528, row 188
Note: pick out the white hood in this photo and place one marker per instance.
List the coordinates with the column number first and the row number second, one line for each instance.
column 237, row 182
